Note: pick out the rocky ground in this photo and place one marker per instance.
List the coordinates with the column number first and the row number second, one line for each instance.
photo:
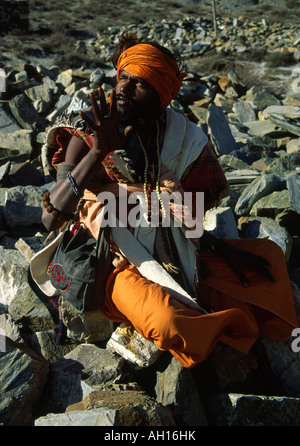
column 252, row 119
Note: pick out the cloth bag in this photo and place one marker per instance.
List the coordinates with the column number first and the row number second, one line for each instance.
column 79, row 267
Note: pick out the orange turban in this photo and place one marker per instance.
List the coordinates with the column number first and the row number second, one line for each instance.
column 154, row 66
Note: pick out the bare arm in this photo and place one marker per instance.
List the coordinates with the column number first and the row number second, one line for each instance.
column 62, row 196
column 87, row 161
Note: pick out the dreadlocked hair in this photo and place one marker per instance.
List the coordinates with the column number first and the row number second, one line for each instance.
column 128, row 39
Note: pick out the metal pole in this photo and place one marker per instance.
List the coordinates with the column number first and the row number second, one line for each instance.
column 214, row 16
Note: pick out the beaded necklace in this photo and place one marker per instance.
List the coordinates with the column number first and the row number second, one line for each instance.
column 147, row 184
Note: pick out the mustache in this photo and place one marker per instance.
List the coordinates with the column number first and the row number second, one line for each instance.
column 124, row 97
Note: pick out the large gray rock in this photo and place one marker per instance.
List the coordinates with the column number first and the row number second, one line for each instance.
column 270, row 205
column 26, row 308
column 19, row 141
column 44, row 344
column 84, row 367
column 92, row 417
column 245, row 111
column 91, row 326
column 13, row 275
column 23, row 206
column 135, row 408
column 285, row 363
column 293, row 185
column 21, row 384
column 221, row 223
column 253, row 410
column 25, row 114
column 175, row 388
column 261, row 97
column 7, row 123
column 263, row 185
column 264, row 227
column 219, row 131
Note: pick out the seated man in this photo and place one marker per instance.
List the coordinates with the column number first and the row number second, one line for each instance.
column 136, row 139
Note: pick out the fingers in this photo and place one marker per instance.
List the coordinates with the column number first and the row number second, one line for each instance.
column 89, row 122
column 96, row 109
column 103, row 103
column 101, row 112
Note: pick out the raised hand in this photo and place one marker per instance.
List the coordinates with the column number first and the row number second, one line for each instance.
column 107, row 134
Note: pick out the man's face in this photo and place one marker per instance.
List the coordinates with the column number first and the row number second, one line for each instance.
column 136, row 99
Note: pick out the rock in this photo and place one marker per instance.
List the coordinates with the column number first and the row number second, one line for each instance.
column 4, row 171
column 86, row 364
column 175, row 388
column 221, row 223
column 92, row 417
column 253, row 410
column 230, row 163
column 219, row 131
column 293, row 145
column 28, row 246
column 261, row 186
column 255, row 135
column 65, row 78
column 284, row 363
column 293, row 185
column 21, row 385
column 270, row 205
column 282, row 110
column 128, row 343
column 96, row 78
column 41, row 92
column 23, row 206
column 287, row 163
column 43, row 343
column 242, row 176
column 7, row 123
column 262, row 128
column 25, row 174
column 19, row 141
column 264, row 227
column 13, row 277
column 89, row 327
column 25, row 308
column 289, row 125
column 25, row 114
column 61, row 105
column 134, row 408
column 9, row 329
column 245, row 112
column 261, row 97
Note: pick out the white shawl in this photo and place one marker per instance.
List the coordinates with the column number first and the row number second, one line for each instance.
column 183, row 143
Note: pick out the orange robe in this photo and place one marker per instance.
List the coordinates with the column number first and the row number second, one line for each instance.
column 240, row 313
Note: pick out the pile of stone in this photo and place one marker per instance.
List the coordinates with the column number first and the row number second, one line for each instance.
column 82, row 382
column 194, row 36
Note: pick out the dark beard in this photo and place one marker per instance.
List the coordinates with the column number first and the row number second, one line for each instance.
column 135, row 115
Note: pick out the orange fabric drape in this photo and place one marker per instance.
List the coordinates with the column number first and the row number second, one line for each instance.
column 240, row 314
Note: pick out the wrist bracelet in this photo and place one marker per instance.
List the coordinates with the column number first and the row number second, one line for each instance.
column 51, row 209
column 74, row 185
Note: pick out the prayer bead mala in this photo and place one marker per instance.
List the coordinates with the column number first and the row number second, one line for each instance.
column 147, row 184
